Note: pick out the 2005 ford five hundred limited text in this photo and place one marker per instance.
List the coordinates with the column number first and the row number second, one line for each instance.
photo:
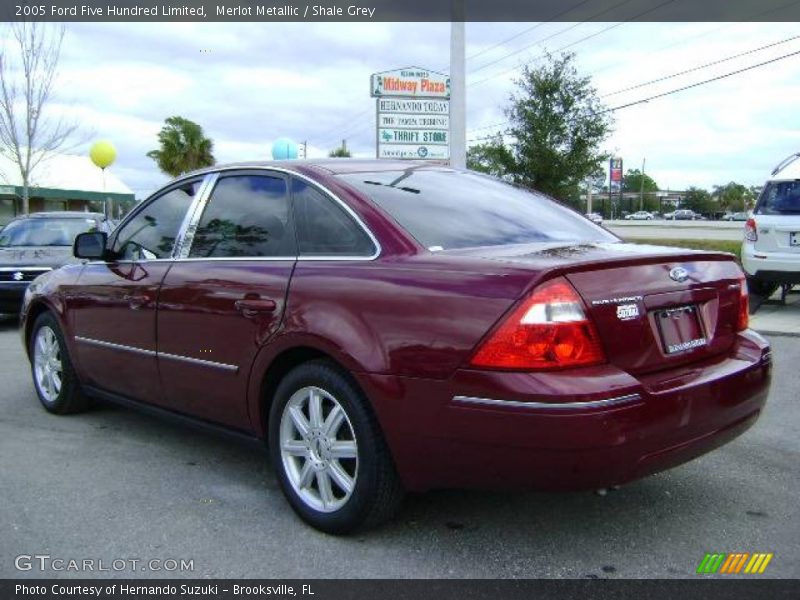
column 389, row 326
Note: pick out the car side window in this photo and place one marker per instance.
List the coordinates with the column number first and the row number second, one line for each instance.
column 246, row 216
column 151, row 233
column 323, row 227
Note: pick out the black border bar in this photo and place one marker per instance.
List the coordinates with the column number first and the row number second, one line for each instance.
column 572, row 11
column 699, row 588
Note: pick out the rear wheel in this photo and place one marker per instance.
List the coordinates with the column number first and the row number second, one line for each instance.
column 759, row 287
column 330, row 456
column 53, row 376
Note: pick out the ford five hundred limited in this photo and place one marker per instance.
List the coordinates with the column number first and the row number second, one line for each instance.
column 392, row 326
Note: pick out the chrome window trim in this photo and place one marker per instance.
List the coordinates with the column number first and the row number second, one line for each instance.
column 113, row 346
column 185, row 235
column 15, row 269
column 155, row 353
column 197, row 214
column 617, row 401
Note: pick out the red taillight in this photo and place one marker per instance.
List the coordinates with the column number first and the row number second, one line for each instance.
column 549, row 330
column 744, row 305
column 750, row 233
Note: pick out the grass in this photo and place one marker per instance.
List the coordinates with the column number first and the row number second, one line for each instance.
column 718, row 245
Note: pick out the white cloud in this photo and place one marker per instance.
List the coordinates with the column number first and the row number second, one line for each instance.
column 249, row 83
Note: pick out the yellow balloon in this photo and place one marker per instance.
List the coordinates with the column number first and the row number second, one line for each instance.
column 103, row 154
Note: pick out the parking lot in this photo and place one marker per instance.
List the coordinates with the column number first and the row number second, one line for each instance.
column 113, row 484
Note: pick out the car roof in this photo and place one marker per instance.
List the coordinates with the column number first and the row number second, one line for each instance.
column 333, row 166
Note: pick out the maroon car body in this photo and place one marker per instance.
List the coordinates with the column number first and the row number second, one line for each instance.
column 405, row 325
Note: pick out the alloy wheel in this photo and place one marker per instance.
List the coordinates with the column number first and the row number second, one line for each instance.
column 318, row 449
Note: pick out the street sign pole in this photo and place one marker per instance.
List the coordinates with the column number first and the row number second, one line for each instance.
column 458, row 104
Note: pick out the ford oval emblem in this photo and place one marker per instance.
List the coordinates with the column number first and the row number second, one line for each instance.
column 679, row 274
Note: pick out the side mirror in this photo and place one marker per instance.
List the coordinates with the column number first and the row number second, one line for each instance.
column 91, row 245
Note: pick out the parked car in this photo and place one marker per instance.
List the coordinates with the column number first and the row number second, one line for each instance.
column 387, row 326
column 34, row 244
column 737, row 216
column 771, row 247
column 669, row 215
column 595, row 218
column 641, row 215
column 684, row 214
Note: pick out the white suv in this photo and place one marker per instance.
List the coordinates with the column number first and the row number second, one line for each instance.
column 771, row 248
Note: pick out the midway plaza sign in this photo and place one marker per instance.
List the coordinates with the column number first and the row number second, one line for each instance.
column 412, row 114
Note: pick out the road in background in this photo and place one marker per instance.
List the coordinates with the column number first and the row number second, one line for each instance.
column 114, row 484
column 702, row 230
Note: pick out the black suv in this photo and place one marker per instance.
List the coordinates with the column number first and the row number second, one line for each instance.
column 34, row 244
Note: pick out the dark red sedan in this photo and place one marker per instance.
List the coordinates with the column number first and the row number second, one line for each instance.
column 390, row 326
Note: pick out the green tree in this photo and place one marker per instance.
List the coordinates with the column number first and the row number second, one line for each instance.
column 492, row 157
column 556, row 124
column 183, row 147
column 340, row 152
column 632, row 182
column 733, row 197
column 698, row 200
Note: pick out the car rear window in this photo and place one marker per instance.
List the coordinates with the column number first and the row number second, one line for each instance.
column 446, row 209
column 779, row 198
column 44, row 232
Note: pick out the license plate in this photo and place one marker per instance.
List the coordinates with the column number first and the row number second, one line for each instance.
column 794, row 238
column 680, row 329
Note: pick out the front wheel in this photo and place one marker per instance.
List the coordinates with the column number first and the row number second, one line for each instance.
column 332, row 462
column 53, row 376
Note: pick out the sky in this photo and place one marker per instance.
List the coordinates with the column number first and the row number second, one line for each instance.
column 247, row 84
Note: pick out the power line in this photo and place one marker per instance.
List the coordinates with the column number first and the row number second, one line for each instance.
column 570, row 28
column 704, row 66
column 575, row 43
column 524, row 31
column 671, row 92
column 699, row 83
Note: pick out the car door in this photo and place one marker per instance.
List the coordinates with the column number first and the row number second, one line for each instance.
column 225, row 296
column 113, row 304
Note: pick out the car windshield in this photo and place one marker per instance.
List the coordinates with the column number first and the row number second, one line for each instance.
column 446, row 209
column 780, row 198
column 44, row 232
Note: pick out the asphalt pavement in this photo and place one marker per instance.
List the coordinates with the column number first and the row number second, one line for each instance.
column 112, row 484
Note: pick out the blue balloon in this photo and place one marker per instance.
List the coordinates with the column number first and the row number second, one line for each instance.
column 284, row 148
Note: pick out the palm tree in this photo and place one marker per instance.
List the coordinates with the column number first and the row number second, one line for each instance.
column 184, row 147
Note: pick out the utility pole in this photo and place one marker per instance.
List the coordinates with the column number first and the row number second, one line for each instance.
column 588, row 196
column 641, row 187
column 458, row 101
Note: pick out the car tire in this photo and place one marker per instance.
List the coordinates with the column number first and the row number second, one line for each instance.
column 759, row 287
column 316, row 467
column 54, row 378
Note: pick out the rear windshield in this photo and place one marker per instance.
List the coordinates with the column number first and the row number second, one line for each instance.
column 446, row 209
column 779, row 198
column 44, row 232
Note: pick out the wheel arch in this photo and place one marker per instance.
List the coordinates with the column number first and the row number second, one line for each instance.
column 276, row 360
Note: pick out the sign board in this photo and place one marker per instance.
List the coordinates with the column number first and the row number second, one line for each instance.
column 410, row 82
column 413, row 122
column 615, row 170
column 7, row 190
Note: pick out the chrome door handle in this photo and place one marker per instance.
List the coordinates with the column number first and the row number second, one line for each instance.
column 251, row 307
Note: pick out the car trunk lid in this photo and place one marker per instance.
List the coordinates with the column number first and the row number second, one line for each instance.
column 654, row 307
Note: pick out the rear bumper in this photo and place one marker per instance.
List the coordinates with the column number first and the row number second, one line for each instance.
column 780, row 267
column 584, row 429
column 11, row 295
